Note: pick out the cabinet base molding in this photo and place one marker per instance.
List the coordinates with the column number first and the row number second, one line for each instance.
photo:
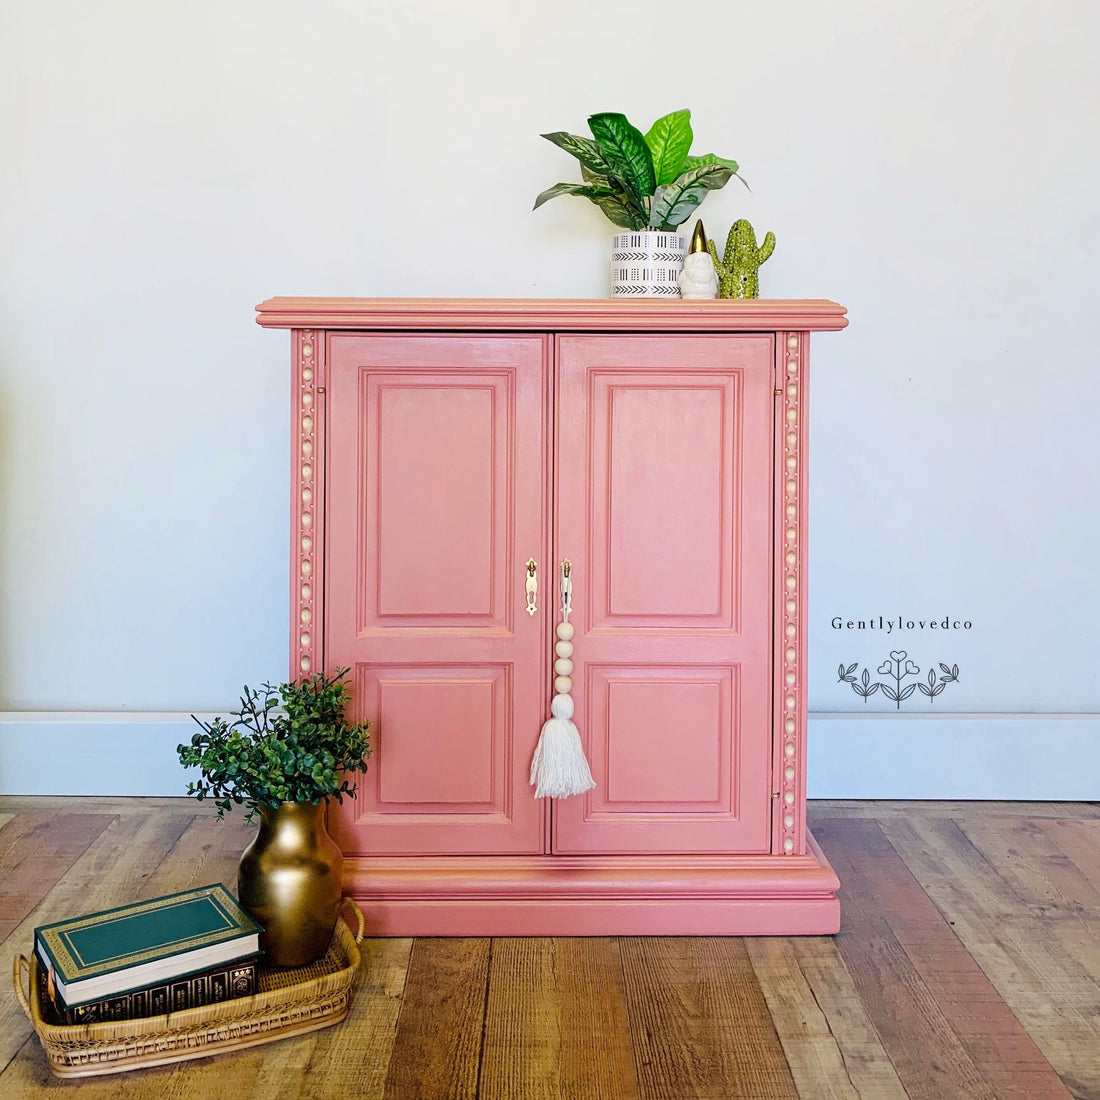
column 555, row 895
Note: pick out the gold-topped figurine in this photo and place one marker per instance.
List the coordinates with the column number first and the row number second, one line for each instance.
column 697, row 279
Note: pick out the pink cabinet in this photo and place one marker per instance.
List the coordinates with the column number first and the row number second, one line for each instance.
column 448, row 452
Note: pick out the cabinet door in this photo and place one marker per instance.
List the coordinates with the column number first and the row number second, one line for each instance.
column 436, row 476
column 663, row 504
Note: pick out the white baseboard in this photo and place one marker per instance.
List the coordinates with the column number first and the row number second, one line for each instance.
column 1026, row 757
column 852, row 755
column 93, row 753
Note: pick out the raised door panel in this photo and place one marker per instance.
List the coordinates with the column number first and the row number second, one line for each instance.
column 663, row 505
column 436, row 499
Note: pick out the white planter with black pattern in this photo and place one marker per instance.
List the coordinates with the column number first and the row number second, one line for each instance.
column 646, row 264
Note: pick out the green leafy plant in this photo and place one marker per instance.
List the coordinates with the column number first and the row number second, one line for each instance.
column 287, row 744
column 641, row 181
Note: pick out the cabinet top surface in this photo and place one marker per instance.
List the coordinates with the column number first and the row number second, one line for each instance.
column 555, row 314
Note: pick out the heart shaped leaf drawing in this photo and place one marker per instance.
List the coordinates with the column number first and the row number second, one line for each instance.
column 897, row 669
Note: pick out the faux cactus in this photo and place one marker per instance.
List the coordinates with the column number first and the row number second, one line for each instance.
column 739, row 270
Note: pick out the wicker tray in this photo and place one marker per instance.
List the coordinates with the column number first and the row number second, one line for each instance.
column 289, row 1002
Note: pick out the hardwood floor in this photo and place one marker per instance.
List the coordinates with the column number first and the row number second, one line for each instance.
column 967, row 966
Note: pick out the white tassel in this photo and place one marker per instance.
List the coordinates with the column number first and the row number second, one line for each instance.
column 559, row 768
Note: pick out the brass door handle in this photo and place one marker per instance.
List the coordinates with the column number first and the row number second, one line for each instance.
column 566, row 586
column 531, row 586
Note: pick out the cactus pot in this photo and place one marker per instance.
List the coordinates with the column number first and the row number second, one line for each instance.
column 646, row 264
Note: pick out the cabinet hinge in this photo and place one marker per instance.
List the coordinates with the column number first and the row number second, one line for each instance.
column 321, row 389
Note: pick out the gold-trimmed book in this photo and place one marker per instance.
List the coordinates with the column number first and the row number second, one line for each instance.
column 222, row 983
column 104, row 955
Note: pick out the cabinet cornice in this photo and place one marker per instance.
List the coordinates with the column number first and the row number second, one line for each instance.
column 553, row 314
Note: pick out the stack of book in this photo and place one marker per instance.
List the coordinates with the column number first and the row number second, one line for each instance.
column 151, row 958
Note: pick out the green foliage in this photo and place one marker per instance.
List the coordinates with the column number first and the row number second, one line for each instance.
column 290, row 744
column 640, row 181
column 710, row 158
column 627, row 155
column 675, row 202
column 584, row 149
column 669, row 140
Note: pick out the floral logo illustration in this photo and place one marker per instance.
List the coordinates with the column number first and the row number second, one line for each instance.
column 898, row 668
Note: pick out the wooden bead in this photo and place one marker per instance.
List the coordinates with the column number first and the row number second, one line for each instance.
column 561, row 706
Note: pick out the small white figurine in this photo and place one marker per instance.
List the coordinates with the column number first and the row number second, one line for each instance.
column 697, row 279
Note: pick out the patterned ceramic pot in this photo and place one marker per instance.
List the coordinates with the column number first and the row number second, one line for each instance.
column 646, row 264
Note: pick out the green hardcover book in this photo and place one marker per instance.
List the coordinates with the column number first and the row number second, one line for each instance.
column 223, row 983
column 106, row 954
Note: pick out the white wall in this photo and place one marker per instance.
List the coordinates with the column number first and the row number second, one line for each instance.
column 932, row 166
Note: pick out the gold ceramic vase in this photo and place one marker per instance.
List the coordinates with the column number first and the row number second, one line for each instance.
column 290, row 880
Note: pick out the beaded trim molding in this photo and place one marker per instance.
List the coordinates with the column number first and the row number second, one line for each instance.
column 791, row 638
column 309, row 454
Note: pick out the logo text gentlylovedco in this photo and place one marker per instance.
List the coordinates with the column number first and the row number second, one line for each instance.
column 889, row 626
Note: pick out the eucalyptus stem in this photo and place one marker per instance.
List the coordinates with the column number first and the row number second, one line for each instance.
column 292, row 743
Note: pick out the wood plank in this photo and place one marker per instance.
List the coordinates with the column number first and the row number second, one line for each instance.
column 207, row 851
column 113, row 805
column 700, row 1023
column 36, row 850
column 549, row 1001
column 1080, row 937
column 112, row 871
column 285, row 1067
column 1080, row 940
column 1080, row 840
column 215, row 1078
column 27, row 1078
column 945, row 1027
column 224, row 1075
column 927, row 1055
column 831, row 1045
column 438, row 1046
column 47, row 834
column 27, row 1074
column 826, row 809
column 1038, row 871
column 344, row 1060
column 1021, row 949
column 1053, row 997
column 350, row 1059
column 353, row 1058
column 1018, row 895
